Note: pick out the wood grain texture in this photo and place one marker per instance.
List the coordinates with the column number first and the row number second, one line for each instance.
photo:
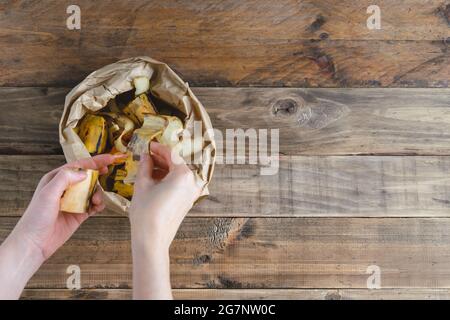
column 311, row 121
column 338, row 121
column 228, row 43
column 263, row 253
column 303, row 187
column 252, row 294
column 309, row 232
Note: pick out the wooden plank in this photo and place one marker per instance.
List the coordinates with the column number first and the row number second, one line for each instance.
column 263, row 253
column 30, row 119
column 251, row 294
column 283, row 43
column 303, row 187
column 311, row 121
column 339, row 121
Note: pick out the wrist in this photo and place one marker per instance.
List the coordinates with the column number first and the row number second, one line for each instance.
column 26, row 250
column 19, row 261
column 145, row 241
column 151, row 270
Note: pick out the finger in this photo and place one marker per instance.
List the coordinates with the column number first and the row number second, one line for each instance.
column 159, row 174
column 79, row 217
column 62, row 180
column 100, row 162
column 104, row 160
column 46, row 179
column 94, row 209
column 171, row 159
column 159, row 162
column 97, row 198
column 145, row 168
column 163, row 152
column 103, row 170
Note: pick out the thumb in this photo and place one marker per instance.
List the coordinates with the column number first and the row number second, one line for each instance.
column 62, row 180
column 145, row 168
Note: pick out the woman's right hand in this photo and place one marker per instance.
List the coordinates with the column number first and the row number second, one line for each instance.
column 164, row 191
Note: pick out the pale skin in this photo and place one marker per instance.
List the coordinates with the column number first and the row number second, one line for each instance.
column 165, row 190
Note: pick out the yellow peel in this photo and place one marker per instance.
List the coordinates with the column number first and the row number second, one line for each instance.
column 76, row 198
column 151, row 129
column 92, row 131
column 131, row 167
column 127, row 126
column 142, row 85
column 171, row 133
column 120, row 187
column 138, row 108
column 123, row 189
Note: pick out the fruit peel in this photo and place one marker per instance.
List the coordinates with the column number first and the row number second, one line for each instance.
column 77, row 198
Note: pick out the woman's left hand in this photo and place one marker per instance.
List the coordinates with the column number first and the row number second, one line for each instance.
column 43, row 225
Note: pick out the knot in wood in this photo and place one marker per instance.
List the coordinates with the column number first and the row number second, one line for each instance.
column 285, row 107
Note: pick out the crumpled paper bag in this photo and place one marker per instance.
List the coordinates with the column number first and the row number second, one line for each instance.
column 94, row 92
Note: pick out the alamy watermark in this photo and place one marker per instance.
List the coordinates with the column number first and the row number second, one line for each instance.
column 73, row 282
column 234, row 146
column 73, row 22
column 374, row 280
column 374, row 20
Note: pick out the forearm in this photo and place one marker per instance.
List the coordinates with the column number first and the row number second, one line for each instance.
column 19, row 260
column 151, row 268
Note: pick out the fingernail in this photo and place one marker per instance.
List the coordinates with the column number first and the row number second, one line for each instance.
column 152, row 144
column 120, row 155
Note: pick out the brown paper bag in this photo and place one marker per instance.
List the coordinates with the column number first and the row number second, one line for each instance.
column 94, row 92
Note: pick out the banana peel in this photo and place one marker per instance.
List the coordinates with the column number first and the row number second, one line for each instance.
column 123, row 189
column 120, row 187
column 113, row 107
column 137, row 109
column 129, row 130
column 151, row 129
column 113, row 131
column 131, row 168
column 124, row 178
column 142, row 85
column 92, row 131
column 120, row 175
column 107, row 180
column 76, row 199
column 172, row 130
column 127, row 126
column 120, row 129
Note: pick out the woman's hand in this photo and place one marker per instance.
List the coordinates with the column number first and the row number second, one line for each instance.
column 164, row 191
column 42, row 224
column 43, row 228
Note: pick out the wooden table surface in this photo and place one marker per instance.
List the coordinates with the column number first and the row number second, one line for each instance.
column 364, row 173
